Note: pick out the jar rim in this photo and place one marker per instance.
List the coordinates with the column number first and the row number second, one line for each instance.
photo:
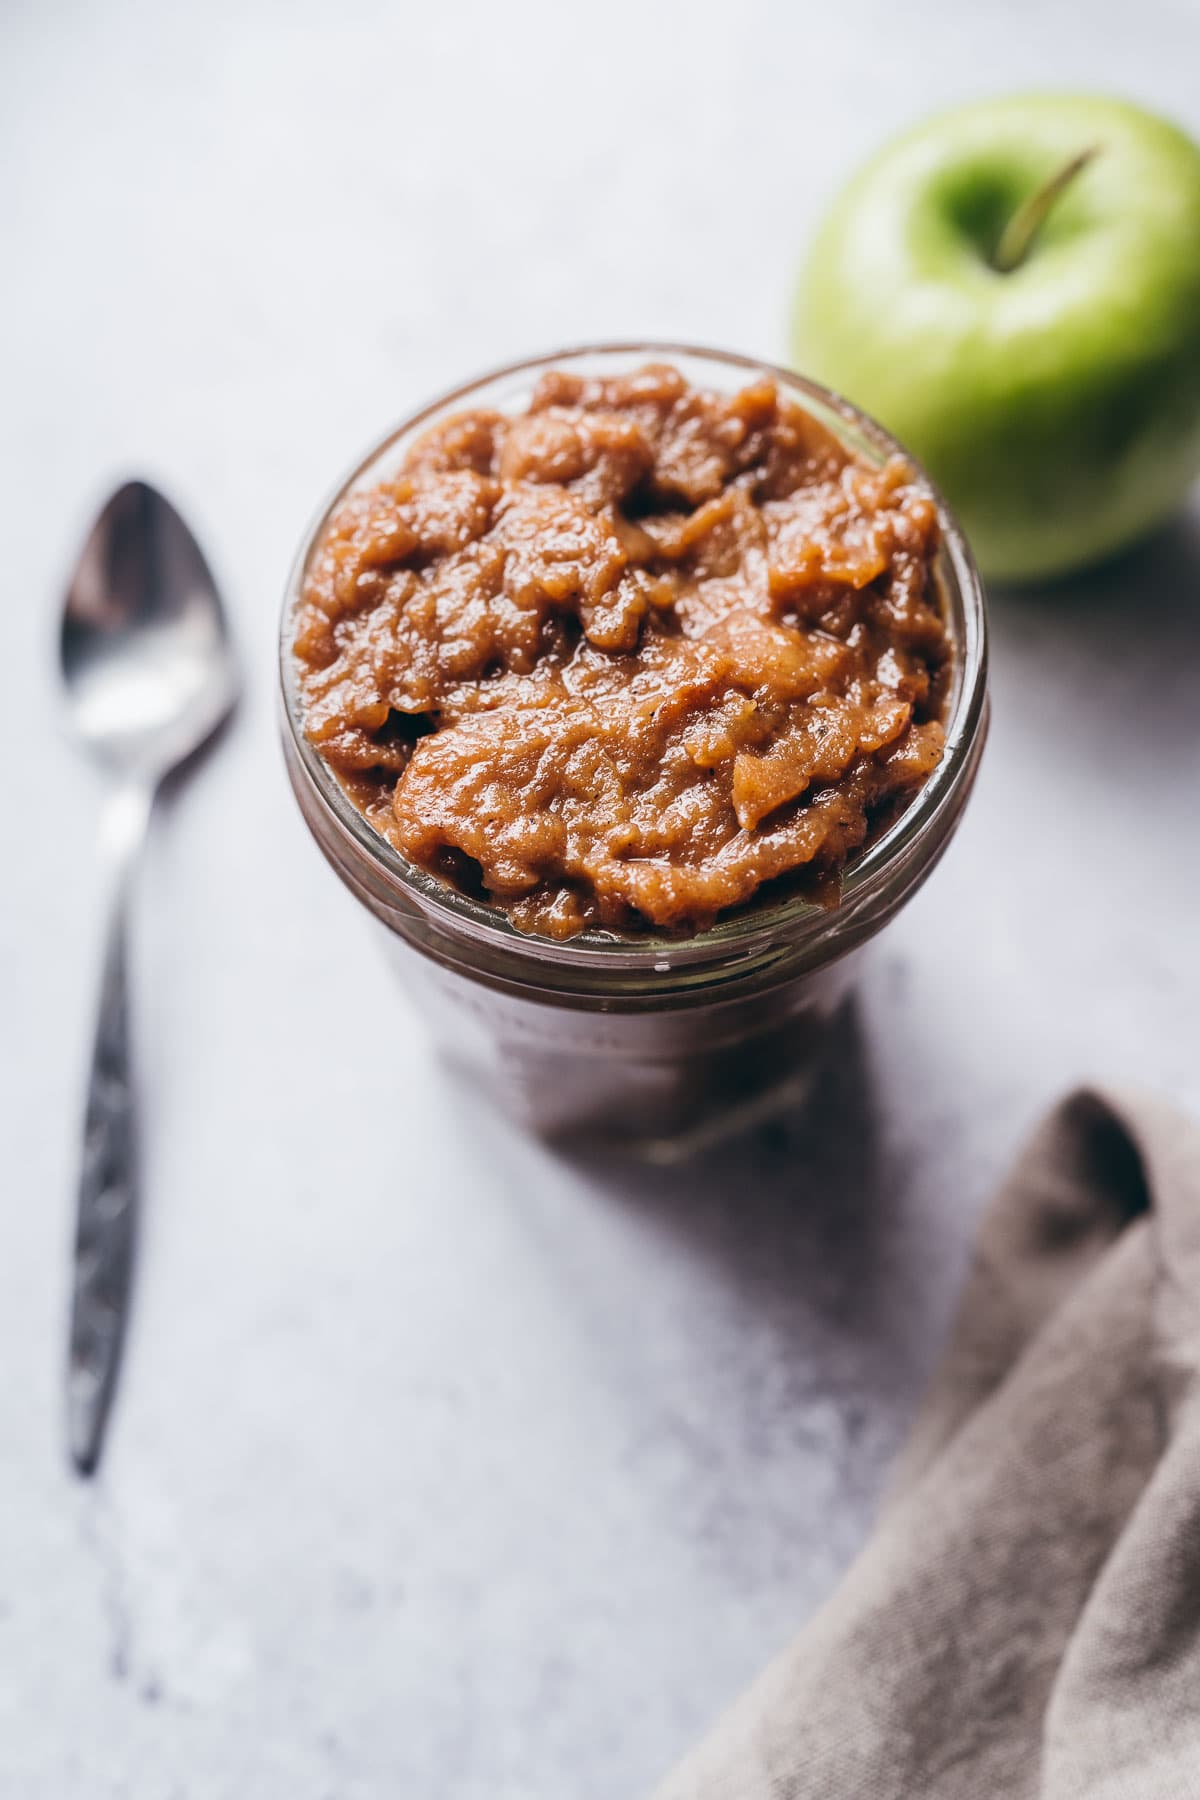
column 755, row 926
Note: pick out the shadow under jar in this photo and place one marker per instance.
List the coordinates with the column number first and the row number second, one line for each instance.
column 659, row 1043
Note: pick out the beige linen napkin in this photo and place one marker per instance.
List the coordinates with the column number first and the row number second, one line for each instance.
column 1026, row 1618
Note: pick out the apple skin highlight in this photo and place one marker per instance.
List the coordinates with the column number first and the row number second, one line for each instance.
column 1057, row 403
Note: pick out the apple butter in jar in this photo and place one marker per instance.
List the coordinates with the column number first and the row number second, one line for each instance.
column 632, row 691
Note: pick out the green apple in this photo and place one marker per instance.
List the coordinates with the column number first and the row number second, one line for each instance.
column 1013, row 289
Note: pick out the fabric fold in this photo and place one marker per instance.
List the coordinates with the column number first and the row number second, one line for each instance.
column 1025, row 1619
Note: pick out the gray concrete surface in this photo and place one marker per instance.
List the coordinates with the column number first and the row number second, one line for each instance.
column 444, row 1467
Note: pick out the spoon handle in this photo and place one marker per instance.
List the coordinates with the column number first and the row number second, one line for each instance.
column 107, row 1207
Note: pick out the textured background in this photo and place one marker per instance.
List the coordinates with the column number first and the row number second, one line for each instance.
column 443, row 1467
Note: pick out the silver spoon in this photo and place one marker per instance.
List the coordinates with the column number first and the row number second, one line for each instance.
column 149, row 675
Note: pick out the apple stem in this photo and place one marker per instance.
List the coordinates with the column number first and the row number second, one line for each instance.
column 1016, row 240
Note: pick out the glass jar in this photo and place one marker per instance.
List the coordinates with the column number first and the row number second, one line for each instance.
column 659, row 1044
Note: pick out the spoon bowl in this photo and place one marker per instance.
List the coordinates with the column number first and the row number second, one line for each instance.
column 146, row 660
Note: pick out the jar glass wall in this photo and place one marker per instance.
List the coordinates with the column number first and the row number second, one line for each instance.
column 663, row 1043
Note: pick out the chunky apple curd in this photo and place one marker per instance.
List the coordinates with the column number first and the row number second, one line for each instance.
column 632, row 658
